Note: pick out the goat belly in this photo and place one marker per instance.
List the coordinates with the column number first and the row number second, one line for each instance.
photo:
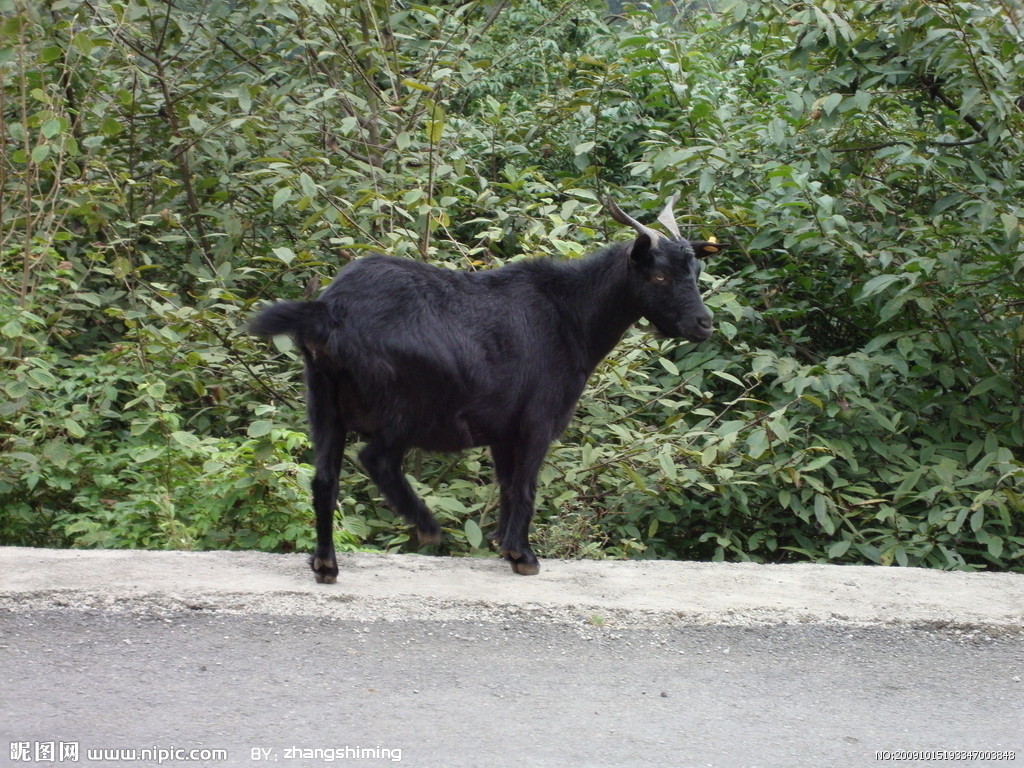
column 445, row 434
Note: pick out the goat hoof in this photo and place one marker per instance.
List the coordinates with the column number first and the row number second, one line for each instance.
column 525, row 569
column 525, row 564
column 428, row 538
column 325, row 571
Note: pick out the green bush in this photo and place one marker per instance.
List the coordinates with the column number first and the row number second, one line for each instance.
column 165, row 169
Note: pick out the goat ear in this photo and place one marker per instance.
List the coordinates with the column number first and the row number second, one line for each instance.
column 702, row 249
column 640, row 253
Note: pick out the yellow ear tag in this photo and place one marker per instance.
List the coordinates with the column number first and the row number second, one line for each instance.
column 710, row 249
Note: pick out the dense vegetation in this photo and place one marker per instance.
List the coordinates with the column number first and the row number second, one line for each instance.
column 168, row 166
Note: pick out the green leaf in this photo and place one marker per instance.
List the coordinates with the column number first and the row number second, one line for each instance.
column 877, row 284
column 1011, row 225
column 57, row 452
column 415, row 85
column 306, row 185
column 244, row 98
column 816, row 401
column 356, row 525
column 435, row 123
column 567, row 247
column 259, row 428
column 42, row 377
column 816, row 463
column 287, row 255
column 998, row 382
column 638, row 481
column 837, row 549
column 16, row 389
column 186, row 439
column 830, row 103
column 727, row 377
column 709, row 455
column 474, row 535
column 757, row 443
column 821, row 514
column 282, row 196
column 51, row 128
column 110, row 126
column 995, row 546
column 50, row 54
column 668, row 466
column 83, row 42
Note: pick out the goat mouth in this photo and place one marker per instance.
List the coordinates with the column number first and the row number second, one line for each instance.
column 661, row 333
column 701, row 334
column 694, row 336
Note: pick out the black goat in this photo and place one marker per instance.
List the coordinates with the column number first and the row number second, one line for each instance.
column 411, row 355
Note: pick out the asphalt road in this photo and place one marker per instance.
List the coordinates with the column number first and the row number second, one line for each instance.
column 228, row 680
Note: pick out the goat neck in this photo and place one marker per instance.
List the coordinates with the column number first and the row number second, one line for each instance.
column 607, row 311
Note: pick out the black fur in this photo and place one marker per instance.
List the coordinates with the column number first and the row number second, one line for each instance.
column 412, row 355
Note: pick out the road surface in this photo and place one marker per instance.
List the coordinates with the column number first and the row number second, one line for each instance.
column 146, row 658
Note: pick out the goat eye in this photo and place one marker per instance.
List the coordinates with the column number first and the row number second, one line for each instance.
column 660, row 278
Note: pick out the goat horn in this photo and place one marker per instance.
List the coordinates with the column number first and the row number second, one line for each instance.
column 624, row 218
column 668, row 217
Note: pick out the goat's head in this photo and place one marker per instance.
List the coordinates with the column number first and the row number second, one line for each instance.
column 664, row 272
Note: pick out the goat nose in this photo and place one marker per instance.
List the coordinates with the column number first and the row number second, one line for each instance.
column 704, row 321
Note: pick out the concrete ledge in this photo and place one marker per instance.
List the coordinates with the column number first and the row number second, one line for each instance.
column 375, row 587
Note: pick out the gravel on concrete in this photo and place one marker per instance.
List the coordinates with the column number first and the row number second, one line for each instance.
column 375, row 587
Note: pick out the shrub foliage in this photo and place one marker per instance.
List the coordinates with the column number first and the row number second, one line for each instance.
column 166, row 167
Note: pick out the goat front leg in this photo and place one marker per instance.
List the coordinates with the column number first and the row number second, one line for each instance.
column 516, row 466
column 383, row 463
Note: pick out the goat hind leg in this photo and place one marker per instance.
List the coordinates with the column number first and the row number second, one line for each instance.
column 328, row 429
column 383, row 463
column 329, row 448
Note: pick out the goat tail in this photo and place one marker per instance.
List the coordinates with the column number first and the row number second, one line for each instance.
column 302, row 320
